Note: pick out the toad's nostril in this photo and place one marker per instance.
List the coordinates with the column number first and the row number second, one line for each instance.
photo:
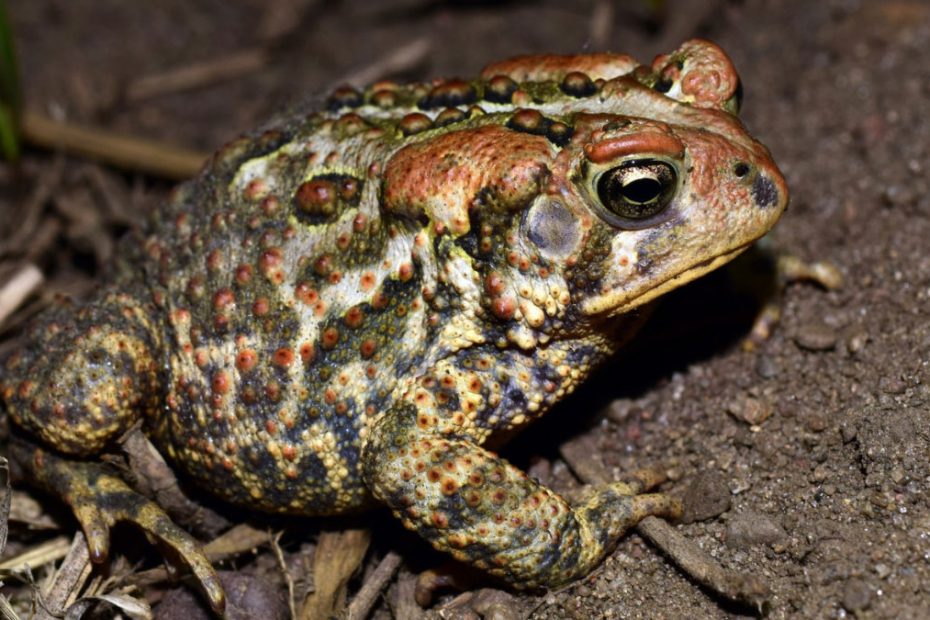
column 764, row 192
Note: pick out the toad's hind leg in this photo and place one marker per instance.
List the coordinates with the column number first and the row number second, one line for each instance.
column 81, row 377
column 470, row 503
column 100, row 499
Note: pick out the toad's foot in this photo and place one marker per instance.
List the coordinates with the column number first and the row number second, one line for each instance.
column 456, row 577
column 99, row 499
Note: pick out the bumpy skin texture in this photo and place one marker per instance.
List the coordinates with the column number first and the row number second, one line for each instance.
column 346, row 307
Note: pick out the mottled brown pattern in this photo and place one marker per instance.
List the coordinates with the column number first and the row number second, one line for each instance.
column 345, row 308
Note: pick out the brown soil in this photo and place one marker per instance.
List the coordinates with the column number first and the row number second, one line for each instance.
column 819, row 439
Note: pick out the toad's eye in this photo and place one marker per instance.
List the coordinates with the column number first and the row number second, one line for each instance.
column 638, row 189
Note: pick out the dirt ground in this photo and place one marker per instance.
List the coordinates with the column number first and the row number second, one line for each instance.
column 810, row 454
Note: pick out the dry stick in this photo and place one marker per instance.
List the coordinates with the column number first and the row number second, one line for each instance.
column 71, row 577
column 365, row 599
column 169, row 161
column 197, row 75
column 601, row 23
column 242, row 538
column 30, row 212
column 282, row 566
column 26, row 281
column 405, row 606
column 116, row 149
column 741, row 588
column 40, row 555
column 398, row 61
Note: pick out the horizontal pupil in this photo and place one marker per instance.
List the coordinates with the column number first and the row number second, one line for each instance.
column 636, row 190
column 642, row 190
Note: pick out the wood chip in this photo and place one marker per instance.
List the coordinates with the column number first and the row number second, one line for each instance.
column 338, row 556
column 23, row 284
column 26, row 511
column 282, row 17
column 154, row 478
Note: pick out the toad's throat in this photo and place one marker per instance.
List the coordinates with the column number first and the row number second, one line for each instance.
column 620, row 302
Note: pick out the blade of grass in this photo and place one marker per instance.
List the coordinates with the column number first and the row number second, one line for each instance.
column 10, row 93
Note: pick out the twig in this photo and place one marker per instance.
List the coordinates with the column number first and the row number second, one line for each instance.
column 289, row 580
column 741, row 588
column 405, row 606
column 197, row 75
column 398, row 61
column 123, row 151
column 242, row 538
column 365, row 599
column 30, row 212
column 26, row 281
column 49, row 551
column 6, row 500
column 601, row 24
column 68, row 581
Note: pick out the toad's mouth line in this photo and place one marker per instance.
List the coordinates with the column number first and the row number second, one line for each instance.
column 622, row 302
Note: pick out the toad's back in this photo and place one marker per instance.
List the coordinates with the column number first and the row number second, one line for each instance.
column 292, row 309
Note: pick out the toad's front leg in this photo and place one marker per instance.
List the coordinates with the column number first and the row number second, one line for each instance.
column 470, row 503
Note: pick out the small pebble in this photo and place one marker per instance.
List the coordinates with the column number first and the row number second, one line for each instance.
column 819, row 474
column 891, row 385
column 899, row 195
column 752, row 528
column 857, row 341
column 766, row 367
column 493, row 604
column 898, row 475
column 857, row 595
column 882, row 570
column 848, row 431
column 817, row 421
column 620, row 409
column 816, row 337
column 706, row 497
column 750, row 410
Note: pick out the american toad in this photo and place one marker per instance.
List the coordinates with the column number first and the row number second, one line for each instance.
column 342, row 310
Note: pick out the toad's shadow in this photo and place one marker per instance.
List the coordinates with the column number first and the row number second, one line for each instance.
column 689, row 325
